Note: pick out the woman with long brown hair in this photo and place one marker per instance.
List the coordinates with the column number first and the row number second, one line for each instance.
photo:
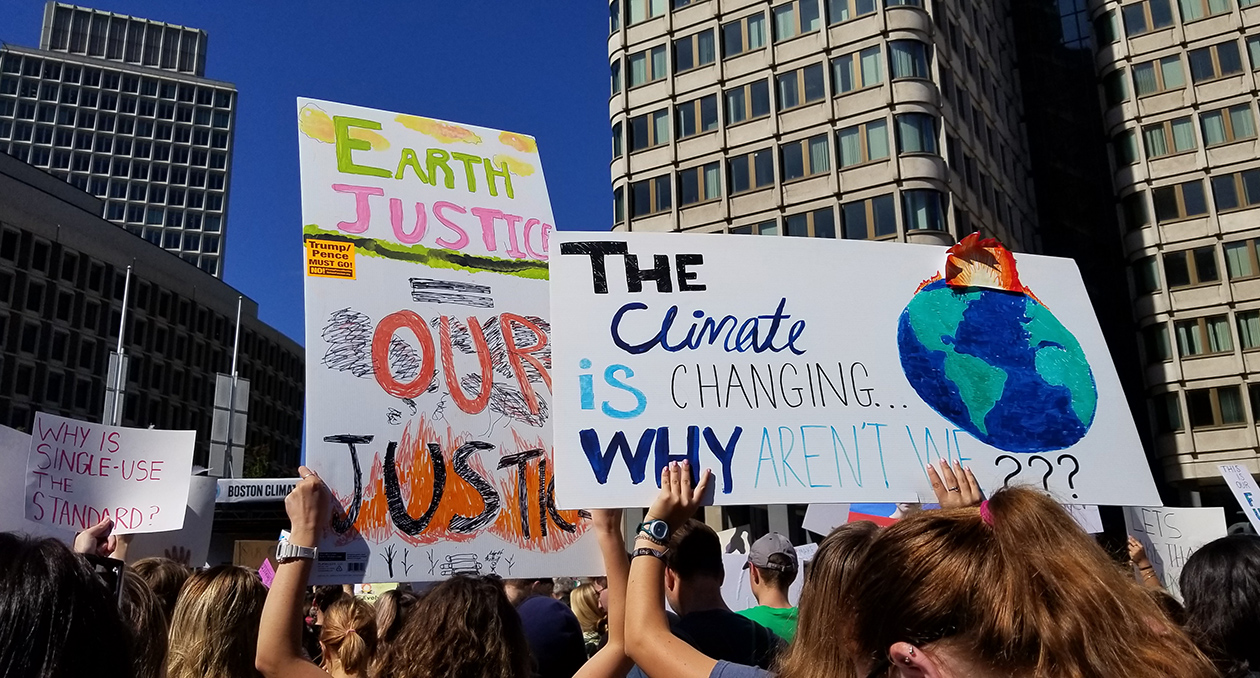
column 348, row 638
column 214, row 631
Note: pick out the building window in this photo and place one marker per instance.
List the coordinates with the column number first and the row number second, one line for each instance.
column 742, row 36
column 1133, row 209
column 1241, row 259
column 907, row 59
column 805, row 158
column 795, row 18
column 816, row 224
column 1146, row 275
column 1203, row 336
column 1236, row 191
column 751, row 171
column 1212, row 407
column 1105, row 28
column 614, row 16
column 1179, row 201
column 801, row 86
column 923, row 209
column 1124, row 146
column 697, row 117
column 1167, row 413
column 1193, row 10
column 863, row 143
column 648, row 130
column 616, row 140
column 856, row 71
column 916, row 133
column 619, row 205
column 870, row 219
column 1155, row 340
column 1159, row 75
column 650, row 196
column 642, row 10
column 1227, row 125
column 747, row 102
column 1248, row 329
column 1190, row 267
column 647, row 66
column 839, row 11
column 1216, row 61
column 615, row 72
column 764, row 228
column 694, row 51
column 1253, row 51
column 1169, row 137
column 699, row 184
column 1147, row 16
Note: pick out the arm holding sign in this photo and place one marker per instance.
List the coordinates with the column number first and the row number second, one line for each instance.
column 97, row 540
column 1146, row 571
column 280, row 631
column 954, row 487
column 611, row 660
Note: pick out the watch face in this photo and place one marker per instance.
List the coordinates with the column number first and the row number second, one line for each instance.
column 659, row 529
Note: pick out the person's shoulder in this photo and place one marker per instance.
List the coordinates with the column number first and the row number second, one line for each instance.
column 729, row 670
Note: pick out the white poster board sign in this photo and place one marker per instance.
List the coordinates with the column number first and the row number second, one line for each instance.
column 427, row 328
column 78, row 473
column 807, row 370
column 1171, row 535
column 823, row 518
column 191, row 543
column 1243, row 485
column 15, row 446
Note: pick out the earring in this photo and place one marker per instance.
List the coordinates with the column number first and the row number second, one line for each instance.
column 909, row 658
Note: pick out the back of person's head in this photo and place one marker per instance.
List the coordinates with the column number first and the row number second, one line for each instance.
column 814, row 652
column 775, row 561
column 391, row 608
column 214, row 632
column 1013, row 586
column 326, row 595
column 1221, row 587
column 165, row 578
column 142, row 610
column 57, row 618
column 585, row 603
column 464, row 627
column 349, row 635
column 695, row 551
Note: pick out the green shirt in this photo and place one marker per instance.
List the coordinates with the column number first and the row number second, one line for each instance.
column 782, row 621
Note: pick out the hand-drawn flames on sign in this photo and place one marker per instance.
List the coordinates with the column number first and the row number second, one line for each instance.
column 431, row 487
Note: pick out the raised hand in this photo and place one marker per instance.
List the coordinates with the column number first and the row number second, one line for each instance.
column 678, row 500
column 97, row 539
column 954, row 487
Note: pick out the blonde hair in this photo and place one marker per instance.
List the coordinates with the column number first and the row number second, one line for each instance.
column 585, row 603
column 349, row 633
column 214, row 631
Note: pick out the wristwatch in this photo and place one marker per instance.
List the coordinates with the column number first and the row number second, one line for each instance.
column 287, row 552
column 656, row 530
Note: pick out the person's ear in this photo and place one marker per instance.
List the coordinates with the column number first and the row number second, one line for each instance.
column 912, row 662
column 754, row 576
column 671, row 580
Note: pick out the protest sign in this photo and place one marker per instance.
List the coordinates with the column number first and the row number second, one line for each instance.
column 823, row 518
column 78, row 473
column 1243, row 485
column 427, row 325
column 191, row 543
column 813, row 370
column 15, row 446
column 1171, row 535
column 1087, row 516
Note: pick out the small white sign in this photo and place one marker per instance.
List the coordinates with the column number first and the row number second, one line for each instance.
column 189, row 544
column 1243, row 485
column 1170, row 535
column 78, row 473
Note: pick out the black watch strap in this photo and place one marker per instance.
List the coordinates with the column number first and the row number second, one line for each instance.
column 649, row 552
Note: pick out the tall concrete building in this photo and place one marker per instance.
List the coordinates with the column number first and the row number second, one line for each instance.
column 1179, row 94
column 118, row 106
column 885, row 120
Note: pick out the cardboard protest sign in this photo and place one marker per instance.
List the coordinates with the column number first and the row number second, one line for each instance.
column 812, row 370
column 78, row 473
column 1171, row 535
column 1243, row 485
column 429, row 380
column 191, row 543
column 15, row 446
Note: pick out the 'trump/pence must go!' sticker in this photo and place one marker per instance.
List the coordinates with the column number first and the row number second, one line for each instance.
column 329, row 258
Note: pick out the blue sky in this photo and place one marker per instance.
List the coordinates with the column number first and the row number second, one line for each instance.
column 534, row 67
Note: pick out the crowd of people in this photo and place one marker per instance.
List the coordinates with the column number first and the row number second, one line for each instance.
column 1003, row 586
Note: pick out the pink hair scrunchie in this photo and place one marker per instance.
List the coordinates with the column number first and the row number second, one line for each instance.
column 985, row 514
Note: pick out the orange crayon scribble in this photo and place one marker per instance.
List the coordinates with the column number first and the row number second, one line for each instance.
column 927, row 282
column 981, row 263
column 508, row 526
column 521, row 142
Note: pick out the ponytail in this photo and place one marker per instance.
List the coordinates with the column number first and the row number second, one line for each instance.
column 349, row 633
